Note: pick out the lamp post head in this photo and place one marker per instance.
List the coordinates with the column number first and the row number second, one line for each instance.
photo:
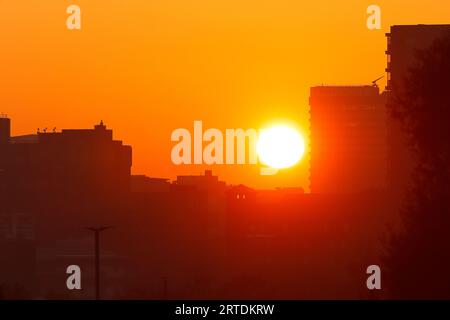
column 99, row 229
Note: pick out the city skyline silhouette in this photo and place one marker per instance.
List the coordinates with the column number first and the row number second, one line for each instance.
column 371, row 190
column 173, row 65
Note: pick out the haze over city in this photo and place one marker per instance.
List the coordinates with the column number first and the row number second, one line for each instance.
column 147, row 68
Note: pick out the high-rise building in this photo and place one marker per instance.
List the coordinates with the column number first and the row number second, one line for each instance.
column 348, row 139
column 5, row 129
column 403, row 43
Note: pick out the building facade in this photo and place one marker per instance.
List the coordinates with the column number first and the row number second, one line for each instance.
column 348, row 139
column 73, row 161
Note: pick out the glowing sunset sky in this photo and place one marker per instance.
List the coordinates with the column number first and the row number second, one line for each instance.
column 148, row 67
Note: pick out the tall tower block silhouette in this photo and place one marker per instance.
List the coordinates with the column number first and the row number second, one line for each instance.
column 5, row 129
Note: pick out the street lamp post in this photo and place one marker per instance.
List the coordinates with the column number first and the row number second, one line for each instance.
column 97, row 231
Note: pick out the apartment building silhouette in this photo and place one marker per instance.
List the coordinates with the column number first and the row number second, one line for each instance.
column 348, row 139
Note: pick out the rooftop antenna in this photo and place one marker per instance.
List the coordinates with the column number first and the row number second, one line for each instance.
column 374, row 82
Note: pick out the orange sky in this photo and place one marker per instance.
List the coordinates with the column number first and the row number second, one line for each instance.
column 148, row 67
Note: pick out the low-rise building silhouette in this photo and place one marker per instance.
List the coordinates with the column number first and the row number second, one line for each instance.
column 81, row 161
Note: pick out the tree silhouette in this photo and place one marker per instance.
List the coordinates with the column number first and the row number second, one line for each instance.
column 418, row 258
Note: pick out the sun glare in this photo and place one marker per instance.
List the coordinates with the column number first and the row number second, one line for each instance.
column 280, row 147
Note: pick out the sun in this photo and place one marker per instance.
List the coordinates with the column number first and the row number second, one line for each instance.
column 280, row 146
